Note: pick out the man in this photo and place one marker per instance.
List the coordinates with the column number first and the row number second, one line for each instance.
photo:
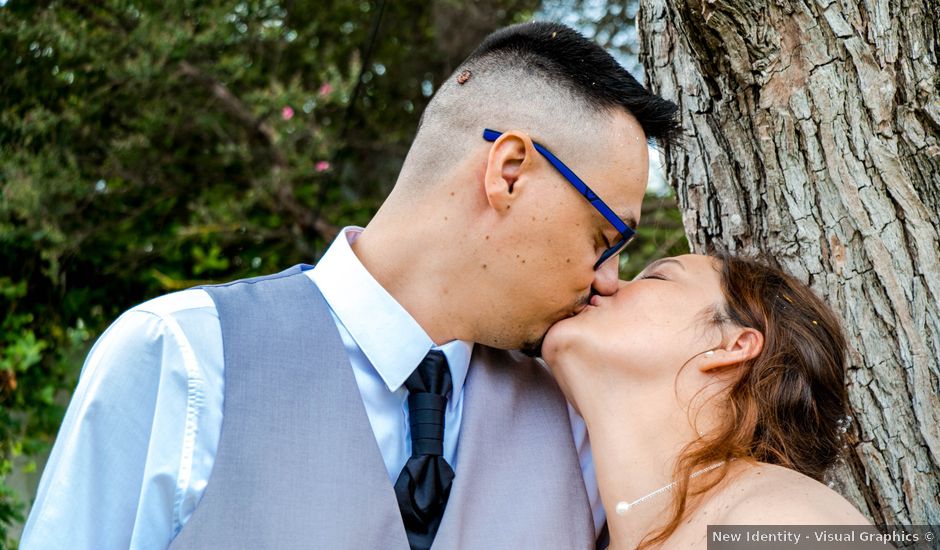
column 346, row 405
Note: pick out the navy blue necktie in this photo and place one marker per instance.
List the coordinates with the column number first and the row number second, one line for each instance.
column 424, row 483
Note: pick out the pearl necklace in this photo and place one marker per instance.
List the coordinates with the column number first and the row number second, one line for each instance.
column 623, row 507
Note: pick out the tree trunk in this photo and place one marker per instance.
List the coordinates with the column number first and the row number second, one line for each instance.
column 811, row 135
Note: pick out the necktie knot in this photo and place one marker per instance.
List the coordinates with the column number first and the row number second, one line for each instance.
column 431, row 376
column 428, row 387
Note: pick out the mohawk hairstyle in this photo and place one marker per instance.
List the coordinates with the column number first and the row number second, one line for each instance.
column 583, row 68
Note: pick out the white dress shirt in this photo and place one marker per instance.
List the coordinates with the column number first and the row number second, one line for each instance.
column 134, row 453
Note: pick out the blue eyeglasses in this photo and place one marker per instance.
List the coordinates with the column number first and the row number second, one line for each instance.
column 626, row 232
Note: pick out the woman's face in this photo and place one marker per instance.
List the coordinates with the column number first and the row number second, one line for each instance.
column 652, row 326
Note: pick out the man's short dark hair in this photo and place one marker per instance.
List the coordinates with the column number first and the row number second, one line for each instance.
column 585, row 69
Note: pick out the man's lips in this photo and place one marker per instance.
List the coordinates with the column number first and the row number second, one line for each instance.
column 592, row 301
column 595, row 300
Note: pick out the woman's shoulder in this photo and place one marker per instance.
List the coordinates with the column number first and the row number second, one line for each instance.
column 766, row 494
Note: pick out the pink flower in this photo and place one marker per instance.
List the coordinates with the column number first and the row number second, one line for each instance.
column 325, row 88
column 287, row 113
column 322, row 166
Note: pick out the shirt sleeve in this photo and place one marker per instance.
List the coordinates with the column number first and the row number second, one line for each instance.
column 120, row 472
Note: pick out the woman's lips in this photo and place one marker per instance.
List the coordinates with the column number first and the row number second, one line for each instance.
column 594, row 299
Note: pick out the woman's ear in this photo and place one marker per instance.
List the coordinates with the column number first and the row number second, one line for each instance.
column 741, row 344
column 510, row 157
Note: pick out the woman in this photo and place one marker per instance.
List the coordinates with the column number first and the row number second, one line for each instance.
column 713, row 393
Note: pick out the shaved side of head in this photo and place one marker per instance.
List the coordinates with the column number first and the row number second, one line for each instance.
column 500, row 96
column 544, row 79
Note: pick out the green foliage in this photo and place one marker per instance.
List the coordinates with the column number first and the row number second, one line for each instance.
column 147, row 147
column 659, row 235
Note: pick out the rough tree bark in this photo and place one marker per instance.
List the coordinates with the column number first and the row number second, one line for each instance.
column 812, row 135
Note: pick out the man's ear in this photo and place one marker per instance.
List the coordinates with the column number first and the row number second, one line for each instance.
column 740, row 345
column 510, row 156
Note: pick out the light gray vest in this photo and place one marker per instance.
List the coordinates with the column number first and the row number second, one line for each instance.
column 298, row 466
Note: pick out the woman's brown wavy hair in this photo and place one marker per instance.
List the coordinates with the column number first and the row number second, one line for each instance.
column 787, row 403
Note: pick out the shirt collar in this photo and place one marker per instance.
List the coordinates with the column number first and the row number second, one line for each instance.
column 387, row 334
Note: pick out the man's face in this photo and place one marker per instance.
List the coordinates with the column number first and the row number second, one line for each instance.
column 555, row 235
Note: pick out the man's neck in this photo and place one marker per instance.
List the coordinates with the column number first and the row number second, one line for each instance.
column 421, row 277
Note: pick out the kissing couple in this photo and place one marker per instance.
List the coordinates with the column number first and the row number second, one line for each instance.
column 372, row 401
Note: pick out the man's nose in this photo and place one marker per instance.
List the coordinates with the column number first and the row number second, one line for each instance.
column 606, row 277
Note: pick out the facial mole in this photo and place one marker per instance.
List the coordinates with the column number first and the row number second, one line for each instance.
column 484, row 266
